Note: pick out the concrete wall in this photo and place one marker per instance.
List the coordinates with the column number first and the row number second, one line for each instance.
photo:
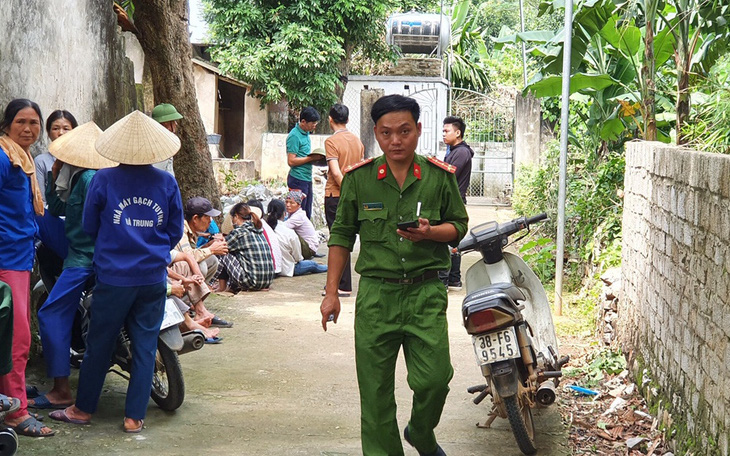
column 273, row 154
column 69, row 57
column 528, row 114
column 675, row 309
column 255, row 126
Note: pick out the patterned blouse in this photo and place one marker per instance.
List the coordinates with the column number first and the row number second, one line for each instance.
column 249, row 246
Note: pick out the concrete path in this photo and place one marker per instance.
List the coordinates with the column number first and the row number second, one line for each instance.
column 279, row 385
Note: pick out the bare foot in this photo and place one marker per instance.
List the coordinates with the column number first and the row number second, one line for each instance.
column 204, row 321
column 56, row 397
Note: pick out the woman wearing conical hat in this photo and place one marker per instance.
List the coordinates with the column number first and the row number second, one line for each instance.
column 74, row 168
column 134, row 212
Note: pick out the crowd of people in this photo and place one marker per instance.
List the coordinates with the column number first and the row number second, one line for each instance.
column 108, row 209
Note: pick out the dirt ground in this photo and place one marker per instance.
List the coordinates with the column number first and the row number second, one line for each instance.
column 279, row 385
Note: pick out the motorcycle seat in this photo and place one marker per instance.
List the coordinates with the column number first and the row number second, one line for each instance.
column 508, row 289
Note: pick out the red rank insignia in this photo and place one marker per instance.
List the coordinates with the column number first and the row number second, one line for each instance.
column 442, row 164
column 382, row 171
column 417, row 171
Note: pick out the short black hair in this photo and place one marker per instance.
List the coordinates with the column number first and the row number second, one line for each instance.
column 60, row 114
column 14, row 107
column 340, row 114
column 309, row 114
column 394, row 103
column 458, row 123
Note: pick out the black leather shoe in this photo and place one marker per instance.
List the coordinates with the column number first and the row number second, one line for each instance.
column 439, row 451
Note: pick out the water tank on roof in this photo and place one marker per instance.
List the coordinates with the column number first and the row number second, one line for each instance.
column 419, row 33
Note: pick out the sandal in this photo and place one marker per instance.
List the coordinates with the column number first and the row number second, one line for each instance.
column 134, row 430
column 32, row 428
column 9, row 404
column 42, row 402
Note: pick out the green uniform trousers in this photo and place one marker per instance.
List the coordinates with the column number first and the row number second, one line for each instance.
column 388, row 316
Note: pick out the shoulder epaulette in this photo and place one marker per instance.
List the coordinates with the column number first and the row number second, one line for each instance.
column 441, row 164
column 357, row 165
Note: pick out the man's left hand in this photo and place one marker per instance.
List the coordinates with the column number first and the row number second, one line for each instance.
column 417, row 234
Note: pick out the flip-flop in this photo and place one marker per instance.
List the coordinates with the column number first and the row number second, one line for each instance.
column 136, row 430
column 9, row 404
column 32, row 392
column 41, row 402
column 32, row 428
column 221, row 323
column 214, row 340
column 60, row 415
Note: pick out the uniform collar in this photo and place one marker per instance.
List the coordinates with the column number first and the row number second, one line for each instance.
column 386, row 175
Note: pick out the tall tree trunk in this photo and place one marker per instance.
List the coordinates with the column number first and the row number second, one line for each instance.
column 344, row 68
column 163, row 34
column 683, row 61
column 648, row 72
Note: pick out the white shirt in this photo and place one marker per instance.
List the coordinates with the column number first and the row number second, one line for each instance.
column 291, row 248
column 274, row 244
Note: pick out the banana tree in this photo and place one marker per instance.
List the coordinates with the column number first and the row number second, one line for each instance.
column 467, row 51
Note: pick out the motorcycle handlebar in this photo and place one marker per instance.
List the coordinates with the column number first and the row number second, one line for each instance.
column 486, row 233
column 536, row 218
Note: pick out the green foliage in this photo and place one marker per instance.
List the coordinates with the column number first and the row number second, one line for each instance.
column 468, row 50
column 296, row 51
column 593, row 204
column 540, row 255
column 607, row 361
column 709, row 126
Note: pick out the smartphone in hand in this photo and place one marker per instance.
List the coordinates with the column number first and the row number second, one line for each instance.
column 405, row 225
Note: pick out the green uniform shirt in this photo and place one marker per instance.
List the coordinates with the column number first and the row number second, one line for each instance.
column 80, row 244
column 299, row 144
column 371, row 204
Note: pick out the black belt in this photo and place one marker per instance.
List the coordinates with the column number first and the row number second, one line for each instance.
column 428, row 275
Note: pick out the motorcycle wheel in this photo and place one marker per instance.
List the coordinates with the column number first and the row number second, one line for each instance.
column 168, row 385
column 8, row 442
column 520, row 419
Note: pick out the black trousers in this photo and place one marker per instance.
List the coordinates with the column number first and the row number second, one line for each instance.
column 330, row 211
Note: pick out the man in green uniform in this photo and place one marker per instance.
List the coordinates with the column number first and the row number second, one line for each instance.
column 400, row 301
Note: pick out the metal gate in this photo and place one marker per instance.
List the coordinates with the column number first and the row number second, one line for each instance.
column 490, row 133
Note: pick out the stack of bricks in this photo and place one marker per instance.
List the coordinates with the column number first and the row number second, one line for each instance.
column 675, row 309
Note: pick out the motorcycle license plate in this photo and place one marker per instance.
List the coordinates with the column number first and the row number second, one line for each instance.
column 173, row 316
column 496, row 346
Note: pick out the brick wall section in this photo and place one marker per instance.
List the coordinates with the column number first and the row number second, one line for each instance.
column 675, row 310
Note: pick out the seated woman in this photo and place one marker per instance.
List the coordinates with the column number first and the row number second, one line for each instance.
column 249, row 264
column 292, row 261
column 298, row 221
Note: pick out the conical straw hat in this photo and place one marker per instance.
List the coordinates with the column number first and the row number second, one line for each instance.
column 137, row 140
column 77, row 148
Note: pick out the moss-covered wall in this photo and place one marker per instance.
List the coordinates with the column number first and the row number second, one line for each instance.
column 675, row 306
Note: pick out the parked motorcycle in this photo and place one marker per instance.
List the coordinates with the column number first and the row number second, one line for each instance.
column 168, row 384
column 506, row 312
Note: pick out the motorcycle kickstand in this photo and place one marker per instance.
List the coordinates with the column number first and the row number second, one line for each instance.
column 492, row 416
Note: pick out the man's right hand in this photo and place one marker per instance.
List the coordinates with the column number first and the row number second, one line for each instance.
column 218, row 247
column 330, row 307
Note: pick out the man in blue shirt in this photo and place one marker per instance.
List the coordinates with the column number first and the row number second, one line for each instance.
column 298, row 150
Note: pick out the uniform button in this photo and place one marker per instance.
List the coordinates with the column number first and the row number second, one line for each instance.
column 401, row 239
column 403, row 260
column 400, row 196
column 404, row 275
column 400, row 217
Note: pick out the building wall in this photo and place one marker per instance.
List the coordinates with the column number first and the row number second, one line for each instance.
column 675, row 307
column 430, row 92
column 254, row 129
column 65, row 58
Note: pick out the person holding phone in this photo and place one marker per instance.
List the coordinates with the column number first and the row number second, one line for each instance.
column 400, row 300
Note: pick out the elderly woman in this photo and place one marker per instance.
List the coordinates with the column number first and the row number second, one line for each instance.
column 72, row 172
column 134, row 212
column 21, row 202
column 292, row 261
column 249, row 264
column 298, row 221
